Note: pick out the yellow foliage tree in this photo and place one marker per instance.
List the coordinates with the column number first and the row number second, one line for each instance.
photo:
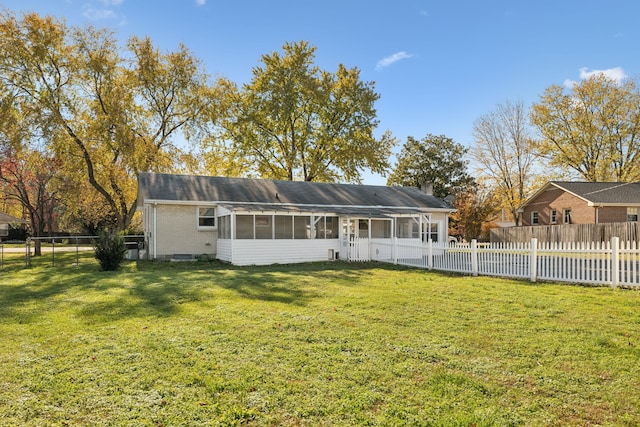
column 593, row 129
column 106, row 114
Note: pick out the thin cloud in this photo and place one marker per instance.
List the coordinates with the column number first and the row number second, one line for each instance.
column 201, row 2
column 398, row 56
column 100, row 10
column 97, row 14
column 617, row 74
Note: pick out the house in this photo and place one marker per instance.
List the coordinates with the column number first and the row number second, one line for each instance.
column 6, row 222
column 254, row 221
column 559, row 202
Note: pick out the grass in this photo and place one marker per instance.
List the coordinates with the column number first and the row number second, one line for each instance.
column 317, row 344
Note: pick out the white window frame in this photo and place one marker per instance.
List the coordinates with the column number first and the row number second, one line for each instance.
column 535, row 218
column 566, row 216
column 198, row 216
column 553, row 216
column 632, row 214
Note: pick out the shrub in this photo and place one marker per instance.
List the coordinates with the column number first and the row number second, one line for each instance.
column 110, row 250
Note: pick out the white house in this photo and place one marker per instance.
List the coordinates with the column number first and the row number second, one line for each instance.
column 254, row 221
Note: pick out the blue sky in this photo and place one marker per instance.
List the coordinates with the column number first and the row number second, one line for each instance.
column 438, row 65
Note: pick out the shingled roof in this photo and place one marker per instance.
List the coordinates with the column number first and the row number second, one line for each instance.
column 283, row 194
column 8, row 219
column 598, row 193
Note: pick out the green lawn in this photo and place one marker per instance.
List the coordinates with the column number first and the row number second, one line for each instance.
column 317, row 344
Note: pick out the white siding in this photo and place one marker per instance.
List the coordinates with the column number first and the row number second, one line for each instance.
column 224, row 250
column 264, row 252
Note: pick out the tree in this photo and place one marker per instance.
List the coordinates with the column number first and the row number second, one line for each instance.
column 30, row 179
column 474, row 208
column 297, row 122
column 593, row 129
column 505, row 154
column 27, row 170
column 436, row 159
column 106, row 115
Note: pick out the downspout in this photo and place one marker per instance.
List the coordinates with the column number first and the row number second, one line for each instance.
column 155, row 229
column 232, row 229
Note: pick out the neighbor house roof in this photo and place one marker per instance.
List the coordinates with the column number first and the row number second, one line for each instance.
column 8, row 219
column 236, row 193
column 597, row 193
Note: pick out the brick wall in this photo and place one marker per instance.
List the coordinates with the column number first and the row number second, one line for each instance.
column 581, row 213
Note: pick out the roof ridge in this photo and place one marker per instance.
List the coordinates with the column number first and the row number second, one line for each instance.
column 621, row 184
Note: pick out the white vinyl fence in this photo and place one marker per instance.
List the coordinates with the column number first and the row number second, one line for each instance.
column 612, row 263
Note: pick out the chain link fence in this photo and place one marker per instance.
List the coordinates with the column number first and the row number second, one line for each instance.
column 60, row 251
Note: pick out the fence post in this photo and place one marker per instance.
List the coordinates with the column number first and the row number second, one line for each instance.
column 28, row 257
column 533, row 260
column 615, row 261
column 474, row 257
column 395, row 250
column 430, row 255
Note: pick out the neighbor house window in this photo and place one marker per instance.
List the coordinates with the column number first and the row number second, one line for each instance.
column 206, row 217
column 535, row 218
column 553, row 216
column 566, row 216
column 632, row 214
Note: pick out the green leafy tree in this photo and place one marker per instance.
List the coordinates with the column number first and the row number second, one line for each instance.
column 106, row 114
column 294, row 121
column 436, row 159
column 592, row 129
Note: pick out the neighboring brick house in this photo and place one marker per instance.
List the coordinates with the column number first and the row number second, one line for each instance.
column 559, row 202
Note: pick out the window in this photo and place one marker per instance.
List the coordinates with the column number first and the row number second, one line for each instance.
column 363, row 228
column 535, row 218
column 206, row 217
column 4, row 230
column 331, row 227
column 284, row 226
column 632, row 214
column 224, row 227
column 553, row 216
column 407, row 228
column 326, row 227
column 380, row 228
column 566, row 216
column 244, row 226
column 431, row 231
column 301, row 227
column 264, row 228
